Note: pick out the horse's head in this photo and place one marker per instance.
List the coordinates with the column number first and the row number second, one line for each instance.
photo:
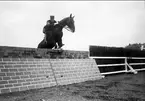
column 70, row 23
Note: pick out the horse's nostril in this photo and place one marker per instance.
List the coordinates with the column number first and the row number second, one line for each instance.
column 73, row 31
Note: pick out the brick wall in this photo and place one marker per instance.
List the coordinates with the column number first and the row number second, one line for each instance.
column 20, row 52
column 19, row 74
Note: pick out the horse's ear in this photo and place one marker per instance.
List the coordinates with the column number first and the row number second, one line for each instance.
column 73, row 16
column 70, row 15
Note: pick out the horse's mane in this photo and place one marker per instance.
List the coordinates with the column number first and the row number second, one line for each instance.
column 64, row 19
column 61, row 22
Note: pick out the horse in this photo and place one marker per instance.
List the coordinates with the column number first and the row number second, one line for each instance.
column 55, row 40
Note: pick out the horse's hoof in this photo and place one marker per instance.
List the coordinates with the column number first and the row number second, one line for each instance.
column 62, row 45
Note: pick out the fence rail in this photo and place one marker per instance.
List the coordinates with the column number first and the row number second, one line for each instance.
column 127, row 66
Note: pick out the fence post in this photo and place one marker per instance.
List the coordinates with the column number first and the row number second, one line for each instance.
column 126, row 64
column 130, row 67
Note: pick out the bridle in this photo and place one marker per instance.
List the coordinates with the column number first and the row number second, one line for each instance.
column 66, row 27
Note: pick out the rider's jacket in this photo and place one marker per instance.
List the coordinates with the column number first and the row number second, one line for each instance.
column 49, row 27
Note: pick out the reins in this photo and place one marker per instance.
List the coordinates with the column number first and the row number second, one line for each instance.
column 66, row 27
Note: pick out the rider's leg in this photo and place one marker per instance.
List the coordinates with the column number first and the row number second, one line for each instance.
column 48, row 35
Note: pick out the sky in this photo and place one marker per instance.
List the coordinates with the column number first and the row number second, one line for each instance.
column 103, row 23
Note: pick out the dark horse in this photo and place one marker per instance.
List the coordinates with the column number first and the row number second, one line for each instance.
column 55, row 40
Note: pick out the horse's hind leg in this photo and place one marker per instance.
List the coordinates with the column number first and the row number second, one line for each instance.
column 42, row 44
column 59, row 40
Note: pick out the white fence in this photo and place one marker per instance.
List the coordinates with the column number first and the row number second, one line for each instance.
column 125, row 64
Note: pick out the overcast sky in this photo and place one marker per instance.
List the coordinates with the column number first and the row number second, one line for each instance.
column 103, row 23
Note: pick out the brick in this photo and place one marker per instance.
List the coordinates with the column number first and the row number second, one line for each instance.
column 2, row 74
column 31, row 59
column 3, row 82
column 24, row 66
column 46, row 66
column 21, row 62
column 20, row 81
column 38, row 59
column 24, row 88
column 39, row 86
column 19, row 73
column 10, row 74
column 33, row 82
column 44, row 78
column 40, row 82
column 30, row 62
column 10, row 62
column 4, row 70
column 8, row 66
column 39, row 66
column 28, row 80
column 22, row 69
column 14, row 89
column 31, row 86
column 0, row 78
column 30, row 69
column 15, row 59
column 48, row 71
column 24, row 76
column 33, row 76
column 45, row 69
column 44, row 59
column 23, row 59
column 32, row 66
column 15, row 77
column 1, row 59
column 40, row 75
column 37, row 69
column 1, row 66
column 13, row 70
column 17, row 66
column 26, row 83
column 6, row 78
column 37, row 79
column 2, row 86
column 9, row 85
column 6, row 59
column 12, row 81
column 27, row 73
column 41, row 72
column 5, row 90
column 18, row 84
column 46, row 85
column 36, row 63
column 34, row 72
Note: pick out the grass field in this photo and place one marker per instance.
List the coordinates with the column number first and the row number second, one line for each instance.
column 116, row 87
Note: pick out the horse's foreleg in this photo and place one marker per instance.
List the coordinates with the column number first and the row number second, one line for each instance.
column 60, row 44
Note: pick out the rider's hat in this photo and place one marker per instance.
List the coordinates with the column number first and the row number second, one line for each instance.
column 51, row 16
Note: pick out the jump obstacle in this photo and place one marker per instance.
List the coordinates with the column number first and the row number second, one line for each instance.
column 29, row 68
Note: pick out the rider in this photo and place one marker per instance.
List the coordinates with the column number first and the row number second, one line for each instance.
column 48, row 28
